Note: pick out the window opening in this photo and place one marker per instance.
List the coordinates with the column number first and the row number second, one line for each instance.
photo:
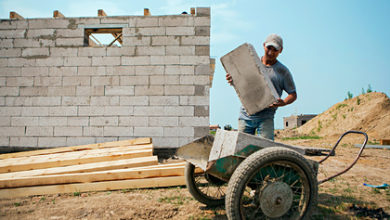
column 103, row 37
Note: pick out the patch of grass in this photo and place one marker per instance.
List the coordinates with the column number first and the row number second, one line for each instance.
column 334, row 116
column 341, row 106
column 344, row 116
column 176, row 200
column 77, row 194
column 42, row 198
column 212, row 132
column 319, row 127
column 304, row 137
column 17, row 204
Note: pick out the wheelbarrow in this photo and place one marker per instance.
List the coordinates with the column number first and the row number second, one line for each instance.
column 255, row 178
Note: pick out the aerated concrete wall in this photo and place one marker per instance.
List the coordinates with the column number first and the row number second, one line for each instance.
column 55, row 90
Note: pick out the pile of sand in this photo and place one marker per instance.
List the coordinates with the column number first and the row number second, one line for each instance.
column 369, row 113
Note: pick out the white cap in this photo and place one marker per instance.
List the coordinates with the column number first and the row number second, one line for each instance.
column 275, row 41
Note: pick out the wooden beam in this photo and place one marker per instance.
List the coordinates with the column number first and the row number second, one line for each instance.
column 138, row 141
column 89, row 167
column 146, row 12
column 121, row 174
column 98, row 186
column 14, row 15
column 101, row 13
column 58, row 14
column 385, row 141
column 193, row 11
column 47, row 162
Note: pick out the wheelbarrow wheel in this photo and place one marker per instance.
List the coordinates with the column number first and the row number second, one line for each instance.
column 273, row 183
column 205, row 188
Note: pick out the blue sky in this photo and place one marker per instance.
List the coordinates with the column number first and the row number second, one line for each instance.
column 331, row 47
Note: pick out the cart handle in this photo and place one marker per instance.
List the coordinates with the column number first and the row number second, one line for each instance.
column 353, row 163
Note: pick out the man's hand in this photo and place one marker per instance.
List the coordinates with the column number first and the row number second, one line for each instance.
column 278, row 103
column 229, row 79
column 288, row 100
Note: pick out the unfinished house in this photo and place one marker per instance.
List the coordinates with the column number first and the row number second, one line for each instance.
column 295, row 121
column 72, row 81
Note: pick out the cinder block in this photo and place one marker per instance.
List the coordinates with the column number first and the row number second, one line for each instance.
column 106, row 61
column 93, row 131
column 104, row 121
column 134, row 80
column 106, row 139
column 61, row 91
column 39, row 131
column 149, row 50
column 202, row 31
column 164, row 60
column 10, row 71
column 75, row 141
column 146, row 31
column 35, row 52
column 202, row 50
column 35, row 111
column 52, row 121
column 11, row 131
column 2, row 81
column 45, row 101
column 163, row 121
column 34, row 91
column 76, row 81
column 35, row 71
column 201, row 90
column 51, row 141
column 77, row 61
column 180, row 50
column 47, row 42
column 202, row 21
column 70, row 42
column 178, row 131
column 149, row 110
column 136, row 41
column 6, row 43
column 105, row 80
column 179, row 111
column 21, row 62
column 47, row 81
column 164, row 80
column 12, row 34
column 78, row 121
column 201, row 111
column 202, row 11
column 203, row 69
column 50, row 61
column 179, row 70
column 185, row 140
column 149, row 90
column 149, row 70
column 22, row 121
column 195, row 40
column 119, row 90
column 194, row 60
column 118, row 110
column 20, row 81
column 165, row 142
column 4, row 24
column 10, row 52
column 66, row 52
column 254, row 88
column 91, row 111
column 68, row 131
column 164, row 100
column 194, row 121
column 121, row 70
column 23, row 141
column 90, row 90
column 121, row 51
column 137, row 60
column 201, row 131
column 40, row 33
column 175, row 21
column 148, row 131
column 63, row 71
column 92, row 71
column 118, row 131
column 146, row 22
column 194, row 100
column 133, row 121
column 180, row 31
column 115, row 20
column 91, row 51
column 4, row 141
column 5, row 121
column 77, row 33
column 179, row 90
column 134, row 100
column 165, row 40
column 75, row 101
column 47, row 23
column 105, row 100
column 63, row 111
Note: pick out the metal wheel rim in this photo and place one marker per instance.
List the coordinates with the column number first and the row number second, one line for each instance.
column 283, row 171
column 208, row 189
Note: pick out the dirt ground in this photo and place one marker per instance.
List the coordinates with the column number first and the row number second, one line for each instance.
column 335, row 197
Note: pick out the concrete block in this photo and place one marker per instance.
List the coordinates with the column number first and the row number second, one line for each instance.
column 35, row 111
column 45, row 101
column 12, row 34
column 76, row 81
column 165, row 142
column 137, row 60
column 63, row 71
column 22, row 121
column 195, row 40
column 201, row 131
column 3, row 62
column 53, row 121
column 70, row 42
column 34, row 71
column 180, row 70
column 50, row 61
column 194, row 121
column 185, row 140
column 92, row 71
column 118, row 90
column 41, row 33
column 165, row 40
column 178, row 131
column 164, row 60
column 76, row 141
column 78, row 121
column 164, row 100
column 52, row 141
column 146, row 21
column 121, row 70
column 203, row 69
column 202, row 21
column 197, row 80
column 11, row 52
column 20, row 81
column 202, row 11
column 66, row 52
column 10, row 71
column 47, row 43
column 201, row 90
column 105, row 80
column 26, row 43
column 90, row 90
column 61, row 91
column 23, row 141
column 194, row 100
column 2, row 81
column 118, row 131
column 105, row 100
column 68, row 131
column 34, row 91
column 106, row 139
column 35, row 52
column 194, row 60
column 180, row 50
column 75, row 33
column 40, row 131
column 179, row 90
column 149, row 90
column 6, row 43
column 93, row 131
column 91, row 51
column 175, row 21
column 146, row 31
column 21, row 62
column 115, row 20
column 149, row 50
column 134, row 100
column 106, row 61
column 118, row 110
column 148, row 110
column 163, row 121
column 77, row 61
column 164, row 80
column 148, row 131
column 7, row 24
column 48, row 23
column 47, row 81
column 179, row 111
column 12, row 131
column 5, row 121
column 134, row 80
column 91, row 111
column 202, row 50
column 254, row 88
column 201, row 111
column 180, row 31
column 133, row 121
column 4, row 141
column 149, row 70
column 136, row 41
column 104, row 121
column 73, row 101
column 63, row 111
column 120, row 51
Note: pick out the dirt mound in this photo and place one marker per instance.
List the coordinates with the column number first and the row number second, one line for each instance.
column 369, row 113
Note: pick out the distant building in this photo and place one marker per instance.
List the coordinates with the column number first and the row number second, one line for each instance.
column 214, row 127
column 295, row 121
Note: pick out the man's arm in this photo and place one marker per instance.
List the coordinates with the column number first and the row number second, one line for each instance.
column 288, row 100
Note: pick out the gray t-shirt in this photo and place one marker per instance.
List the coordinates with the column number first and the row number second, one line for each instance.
column 282, row 79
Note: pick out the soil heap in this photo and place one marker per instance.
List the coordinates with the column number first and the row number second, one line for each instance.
column 369, row 113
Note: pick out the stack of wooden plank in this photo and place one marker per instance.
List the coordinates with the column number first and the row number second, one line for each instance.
column 97, row 167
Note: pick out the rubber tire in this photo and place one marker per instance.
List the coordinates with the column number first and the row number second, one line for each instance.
column 246, row 169
column 195, row 191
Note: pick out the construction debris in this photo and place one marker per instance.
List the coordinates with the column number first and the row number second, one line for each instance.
column 96, row 167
